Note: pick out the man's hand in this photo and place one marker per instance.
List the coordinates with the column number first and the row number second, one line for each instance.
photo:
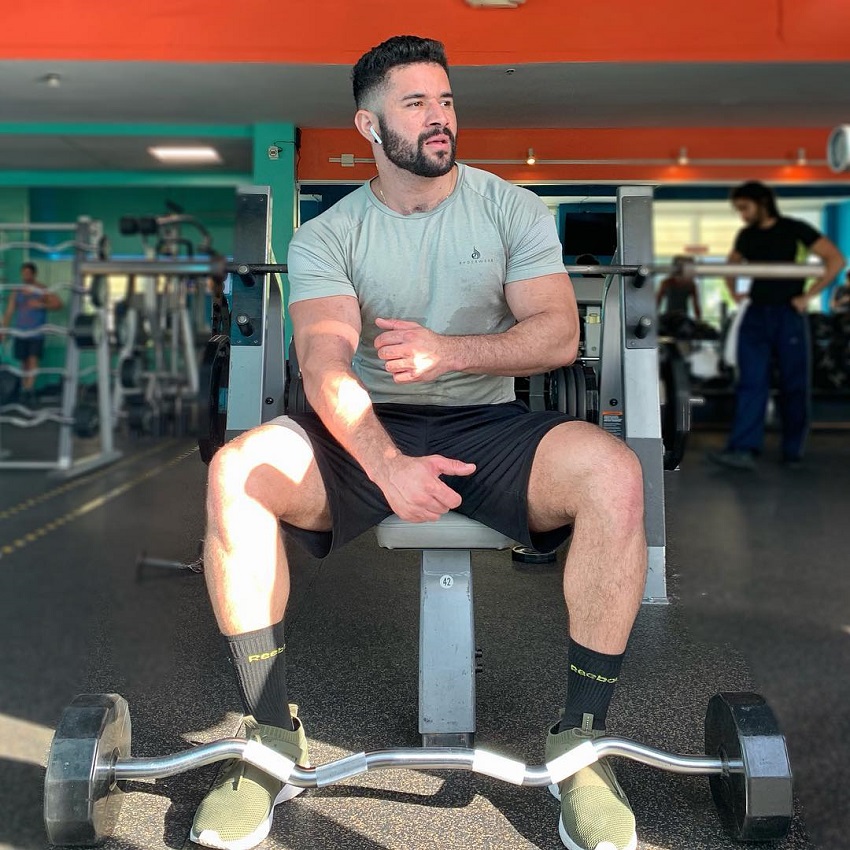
column 411, row 352
column 800, row 303
column 414, row 490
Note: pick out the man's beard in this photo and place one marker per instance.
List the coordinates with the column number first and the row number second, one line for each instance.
column 402, row 154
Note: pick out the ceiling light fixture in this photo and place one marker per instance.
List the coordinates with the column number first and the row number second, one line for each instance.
column 531, row 158
column 683, row 156
column 188, row 155
column 495, row 4
column 52, row 81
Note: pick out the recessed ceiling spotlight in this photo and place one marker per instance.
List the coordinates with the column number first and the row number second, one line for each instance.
column 495, row 4
column 53, row 81
column 186, row 155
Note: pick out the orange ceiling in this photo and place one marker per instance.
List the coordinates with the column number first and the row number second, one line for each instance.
column 338, row 31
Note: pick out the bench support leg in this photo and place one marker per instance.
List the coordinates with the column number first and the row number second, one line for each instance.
column 446, row 649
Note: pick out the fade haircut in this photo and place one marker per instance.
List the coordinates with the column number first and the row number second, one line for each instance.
column 30, row 266
column 370, row 73
column 759, row 194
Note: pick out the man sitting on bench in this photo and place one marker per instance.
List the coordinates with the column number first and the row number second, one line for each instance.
column 415, row 301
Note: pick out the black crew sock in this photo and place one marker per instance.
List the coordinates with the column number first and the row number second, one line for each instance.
column 590, row 686
column 260, row 663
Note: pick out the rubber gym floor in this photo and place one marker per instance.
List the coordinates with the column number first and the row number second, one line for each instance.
column 758, row 579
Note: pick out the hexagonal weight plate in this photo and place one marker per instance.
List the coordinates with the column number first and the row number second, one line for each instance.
column 757, row 804
column 81, row 798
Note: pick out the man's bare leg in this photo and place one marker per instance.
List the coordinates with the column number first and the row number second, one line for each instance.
column 29, row 366
column 262, row 476
column 583, row 474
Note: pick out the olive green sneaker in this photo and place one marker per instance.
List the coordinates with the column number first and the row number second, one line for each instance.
column 237, row 812
column 595, row 814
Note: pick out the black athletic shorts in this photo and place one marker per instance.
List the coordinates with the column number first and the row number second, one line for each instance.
column 500, row 439
column 28, row 346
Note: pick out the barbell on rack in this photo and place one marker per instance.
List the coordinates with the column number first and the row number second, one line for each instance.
column 691, row 268
column 565, row 389
column 219, row 267
column 746, row 760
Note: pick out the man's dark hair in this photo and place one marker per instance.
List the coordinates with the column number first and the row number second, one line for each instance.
column 31, row 266
column 757, row 192
column 370, row 72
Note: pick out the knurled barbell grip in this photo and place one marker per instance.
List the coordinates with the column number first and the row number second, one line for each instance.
column 257, row 268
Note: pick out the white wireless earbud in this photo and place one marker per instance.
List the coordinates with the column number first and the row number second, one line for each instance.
column 375, row 136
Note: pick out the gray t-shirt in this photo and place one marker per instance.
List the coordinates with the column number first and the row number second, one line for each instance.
column 445, row 269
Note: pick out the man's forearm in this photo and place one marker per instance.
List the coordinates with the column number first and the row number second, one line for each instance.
column 536, row 344
column 345, row 408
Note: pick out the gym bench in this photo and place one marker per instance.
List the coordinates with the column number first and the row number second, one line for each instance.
column 448, row 659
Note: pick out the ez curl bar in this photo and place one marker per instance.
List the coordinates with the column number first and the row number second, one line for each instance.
column 746, row 761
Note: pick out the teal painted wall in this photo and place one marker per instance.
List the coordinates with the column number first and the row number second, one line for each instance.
column 14, row 207
column 213, row 206
column 836, row 225
column 278, row 173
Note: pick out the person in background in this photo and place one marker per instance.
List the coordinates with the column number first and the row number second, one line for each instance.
column 26, row 310
column 774, row 329
column 677, row 292
column 839, row 301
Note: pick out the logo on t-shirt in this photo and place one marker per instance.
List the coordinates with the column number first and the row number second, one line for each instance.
column 476, row 258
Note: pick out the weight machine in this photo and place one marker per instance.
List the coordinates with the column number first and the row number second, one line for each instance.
column 75, row 415
column 245, row 384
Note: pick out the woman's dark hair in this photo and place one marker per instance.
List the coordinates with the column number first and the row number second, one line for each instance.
column 370, row 72
column 758, row 193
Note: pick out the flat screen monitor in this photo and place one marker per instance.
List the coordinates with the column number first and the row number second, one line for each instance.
column 590, row 233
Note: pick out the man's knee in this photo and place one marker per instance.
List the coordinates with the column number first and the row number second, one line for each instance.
column 621, row 480
column 262, row 465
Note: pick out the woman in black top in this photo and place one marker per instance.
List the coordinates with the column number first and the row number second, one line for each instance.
column 774, row 329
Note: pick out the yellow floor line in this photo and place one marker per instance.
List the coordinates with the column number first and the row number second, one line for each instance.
column 12, row 546
column 15, row 510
